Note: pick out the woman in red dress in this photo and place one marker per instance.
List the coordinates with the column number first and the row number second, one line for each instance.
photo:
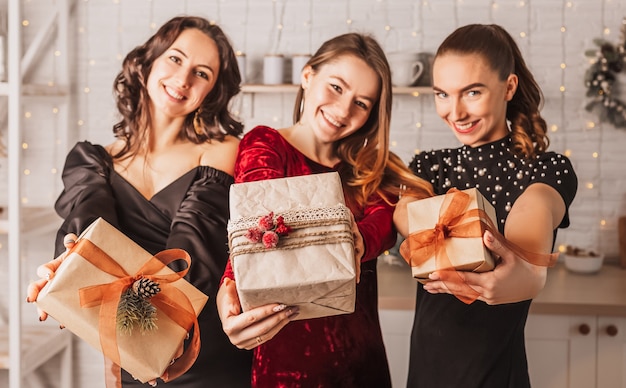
column 342, row 115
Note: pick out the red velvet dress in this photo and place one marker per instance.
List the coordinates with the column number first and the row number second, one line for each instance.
column 338, row 351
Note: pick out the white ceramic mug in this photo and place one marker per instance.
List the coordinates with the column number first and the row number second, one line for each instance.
column 297, row 64
column 273, row 69
column 406, row 68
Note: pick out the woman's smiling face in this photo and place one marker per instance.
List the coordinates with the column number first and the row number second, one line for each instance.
column 470, row 97
column 182, row 77
column 340, row 96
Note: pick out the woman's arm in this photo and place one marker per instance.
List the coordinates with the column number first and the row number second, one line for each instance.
column 258, row 158
column 401, row 216
column 531, row 224
column 376, row 228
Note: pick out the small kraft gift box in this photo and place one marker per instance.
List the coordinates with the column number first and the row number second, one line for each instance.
column 446, row 232
column 106, row 270
column 291, row 242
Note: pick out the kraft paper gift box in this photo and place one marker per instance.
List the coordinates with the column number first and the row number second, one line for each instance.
column 313, row 265
column 144, row 355
column 464, row 253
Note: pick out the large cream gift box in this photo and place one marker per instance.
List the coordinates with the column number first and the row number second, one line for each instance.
column 84, row 272
column 312, row 266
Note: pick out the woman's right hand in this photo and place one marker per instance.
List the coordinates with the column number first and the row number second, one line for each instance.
column 250, row 329
column 46, row 272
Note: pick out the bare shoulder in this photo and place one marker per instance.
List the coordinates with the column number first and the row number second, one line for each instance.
column 115, row 147
column 220, row 154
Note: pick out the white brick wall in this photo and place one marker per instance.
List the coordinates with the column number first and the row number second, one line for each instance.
column 106, row 29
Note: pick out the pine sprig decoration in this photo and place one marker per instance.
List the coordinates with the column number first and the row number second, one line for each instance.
column 601, row 80
column 135, row 310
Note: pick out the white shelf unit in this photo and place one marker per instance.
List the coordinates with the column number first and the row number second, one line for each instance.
column 24, row 348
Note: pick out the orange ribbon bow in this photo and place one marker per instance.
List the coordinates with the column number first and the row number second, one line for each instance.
column 170, row 300
column 455, row 221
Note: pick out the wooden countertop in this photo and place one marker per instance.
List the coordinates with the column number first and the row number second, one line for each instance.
column 602, row 293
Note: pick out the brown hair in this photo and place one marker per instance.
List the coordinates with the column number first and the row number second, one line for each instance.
column 132, row 95
column 369, row 167
column 497, row 47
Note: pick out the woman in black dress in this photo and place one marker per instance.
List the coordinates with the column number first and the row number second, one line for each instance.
column 164, row 182
column 485, row 93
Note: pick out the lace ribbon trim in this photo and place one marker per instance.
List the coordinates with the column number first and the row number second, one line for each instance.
column 312, row 226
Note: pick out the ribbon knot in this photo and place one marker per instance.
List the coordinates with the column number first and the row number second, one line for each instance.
column 442, row 230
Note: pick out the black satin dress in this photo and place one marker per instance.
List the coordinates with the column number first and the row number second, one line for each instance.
column 191, row 213
column 479, row 345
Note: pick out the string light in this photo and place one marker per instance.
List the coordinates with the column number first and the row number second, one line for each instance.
column 349, row 20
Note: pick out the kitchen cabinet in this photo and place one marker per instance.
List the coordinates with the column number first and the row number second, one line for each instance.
column 563, row 351
column 576, row 351
column 396, row 327
column 575, row 333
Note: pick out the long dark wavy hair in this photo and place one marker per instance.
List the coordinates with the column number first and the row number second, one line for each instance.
column 497, row 47
column 369, row 167
column 132, row 94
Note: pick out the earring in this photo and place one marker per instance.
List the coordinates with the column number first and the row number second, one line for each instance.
column 365, row 143
column 198, row 125
column 301, row 105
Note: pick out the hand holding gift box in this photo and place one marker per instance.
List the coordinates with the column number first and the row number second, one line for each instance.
column 446, row 234
column 291, row 242
column 101, row 269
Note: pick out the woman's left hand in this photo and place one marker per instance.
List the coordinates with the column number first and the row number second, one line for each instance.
column 513, row 279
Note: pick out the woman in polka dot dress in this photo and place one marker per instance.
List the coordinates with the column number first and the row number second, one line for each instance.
column 488, row 97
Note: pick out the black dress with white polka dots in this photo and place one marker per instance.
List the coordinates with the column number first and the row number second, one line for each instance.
column 477, row 345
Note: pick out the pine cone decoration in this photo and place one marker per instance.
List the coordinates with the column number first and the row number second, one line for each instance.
column 146, row 288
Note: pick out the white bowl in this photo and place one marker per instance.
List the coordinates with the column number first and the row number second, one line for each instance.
column 583, row 264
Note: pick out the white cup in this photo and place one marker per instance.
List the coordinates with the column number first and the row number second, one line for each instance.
column 406, row 68
column 273, row 69
column 241, row 62
column 297, row 64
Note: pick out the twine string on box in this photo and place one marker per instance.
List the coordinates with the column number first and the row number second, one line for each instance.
column 306, row 229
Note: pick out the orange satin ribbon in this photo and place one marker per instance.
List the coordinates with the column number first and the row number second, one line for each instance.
column 455, row 221
column 170, row 300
